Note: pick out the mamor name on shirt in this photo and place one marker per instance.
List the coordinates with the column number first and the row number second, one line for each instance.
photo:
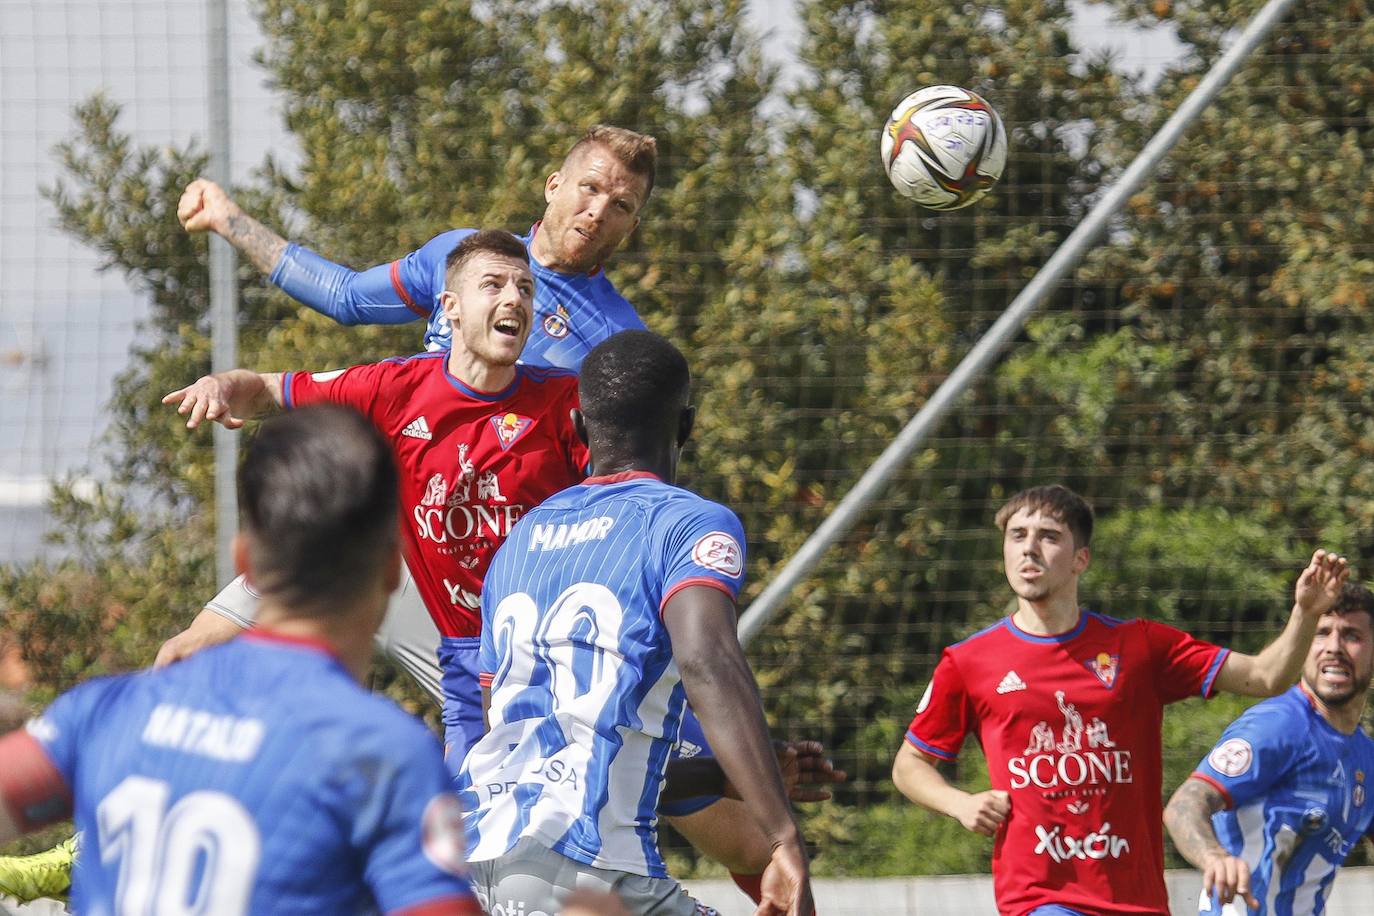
column 195, row 731
column 553, row 537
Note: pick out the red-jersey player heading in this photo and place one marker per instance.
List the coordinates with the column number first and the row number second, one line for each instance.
column 474, row 463
column 1068, row 706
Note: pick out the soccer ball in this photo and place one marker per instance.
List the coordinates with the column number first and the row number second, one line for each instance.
column 943, row 147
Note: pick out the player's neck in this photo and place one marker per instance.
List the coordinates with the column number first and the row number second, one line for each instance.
column 347, row 636
column 1050, row 617
column 1344, row 718
column 477, row 374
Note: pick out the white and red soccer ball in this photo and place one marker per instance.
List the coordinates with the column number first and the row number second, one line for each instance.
column 944, row 147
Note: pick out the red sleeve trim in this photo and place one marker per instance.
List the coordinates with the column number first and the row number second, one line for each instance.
column 688, row 583
column 32, row 789
column 1226, row 796
column 485, row 678
column 400, row 288
column 456, row 905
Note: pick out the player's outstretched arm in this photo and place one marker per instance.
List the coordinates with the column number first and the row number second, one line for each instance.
column 228, row 398
column 1188, row 818
column 722, row 691
column 385, row 294
column 916, row 777
column 33, row 792
column 1277, row 666
column 206, row 207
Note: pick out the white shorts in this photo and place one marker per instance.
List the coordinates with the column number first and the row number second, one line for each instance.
column 407, row 634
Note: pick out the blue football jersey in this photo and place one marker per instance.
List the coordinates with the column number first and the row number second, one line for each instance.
column 572, row 312
column 1298, row 793
column 253, row 777
column 585, row 697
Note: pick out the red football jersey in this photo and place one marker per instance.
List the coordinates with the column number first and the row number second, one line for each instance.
column 1070, row 726
column 471, row 462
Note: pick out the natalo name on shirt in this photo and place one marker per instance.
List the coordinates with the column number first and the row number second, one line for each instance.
column 195, row 731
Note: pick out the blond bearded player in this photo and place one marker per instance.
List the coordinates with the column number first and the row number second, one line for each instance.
column 1068, row 705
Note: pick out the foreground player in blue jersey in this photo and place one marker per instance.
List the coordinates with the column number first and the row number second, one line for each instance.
column 1278, row 804
column 259, row 776
column 608, row 607
column 593, row 203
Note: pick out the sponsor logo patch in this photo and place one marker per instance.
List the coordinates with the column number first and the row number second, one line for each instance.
column 721, row 552
column 1232, row 757
column 329, row 376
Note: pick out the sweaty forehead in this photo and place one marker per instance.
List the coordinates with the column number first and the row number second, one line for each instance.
column 484, row 263
column 600, row 162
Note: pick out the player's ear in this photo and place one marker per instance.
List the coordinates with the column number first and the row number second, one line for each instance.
column 1081, row 558
column 686, row 420
column 551, row 185
column 448, row 303
column 579, row 423
column 393, row 570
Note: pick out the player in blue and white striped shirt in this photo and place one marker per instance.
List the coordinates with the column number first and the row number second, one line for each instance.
column 1275, row 808
column 607, row 607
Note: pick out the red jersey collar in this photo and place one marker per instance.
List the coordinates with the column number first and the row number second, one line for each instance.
column 534, row 229
column 269, row 635
column 624, row 476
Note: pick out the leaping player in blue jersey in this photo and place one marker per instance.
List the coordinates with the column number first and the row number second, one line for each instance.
column 1277, row 805
column 608, row 608
column 594, row 200
column 593, row 203
column 259, row 776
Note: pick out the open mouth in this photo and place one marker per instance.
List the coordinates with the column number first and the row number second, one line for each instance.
column 510, row 327
column 1335, row 672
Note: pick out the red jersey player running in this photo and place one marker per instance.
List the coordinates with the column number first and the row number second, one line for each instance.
column 479, row 441
column 1068, row 706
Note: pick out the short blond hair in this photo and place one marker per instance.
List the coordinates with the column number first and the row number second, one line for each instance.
column 637, row 152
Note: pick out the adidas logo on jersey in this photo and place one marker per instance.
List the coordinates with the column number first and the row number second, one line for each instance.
column 1011, row 682
column 418, row 429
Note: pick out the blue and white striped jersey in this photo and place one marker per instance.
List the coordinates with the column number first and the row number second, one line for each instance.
column 586, row 701
column 572, row 312
column 1298, row 801
column 255, row 777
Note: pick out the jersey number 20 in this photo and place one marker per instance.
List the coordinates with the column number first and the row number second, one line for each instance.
column 198, row 856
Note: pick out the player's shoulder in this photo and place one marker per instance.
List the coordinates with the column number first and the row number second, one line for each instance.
column 976, row 640
column 370, row 725
column 548, row 375
column 94, row 699
column 1286, row 718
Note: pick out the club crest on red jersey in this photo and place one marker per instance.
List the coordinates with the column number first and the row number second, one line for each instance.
column 1105, row 667
column 558, row 324
column 510, row 427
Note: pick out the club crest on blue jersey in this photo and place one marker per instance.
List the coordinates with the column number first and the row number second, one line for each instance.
column 1105, row 667
column 510, row 427
column 1357, row 794
column 559, row 323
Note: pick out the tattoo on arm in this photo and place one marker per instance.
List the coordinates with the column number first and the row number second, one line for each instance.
column 1189, row 819
column 260, row 245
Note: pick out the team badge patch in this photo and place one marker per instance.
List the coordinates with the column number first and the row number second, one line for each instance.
column 558, row 324
column 1232, row 757
column 441, row 833
column 1105, row 667
column 1357, row 794
column 720, row 552
column 510, row 427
